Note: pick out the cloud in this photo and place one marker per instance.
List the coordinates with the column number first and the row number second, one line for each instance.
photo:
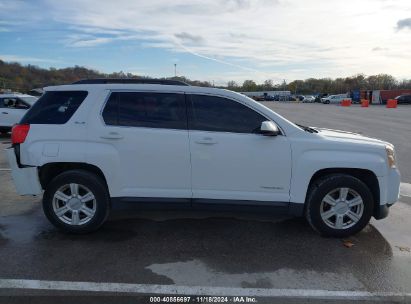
column 186, row 37
column 379, row 49
column 403, row 24
column 92, row 42
column 260, row 38
column 26, row 59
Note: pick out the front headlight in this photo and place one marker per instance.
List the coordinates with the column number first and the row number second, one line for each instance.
column 390, row 156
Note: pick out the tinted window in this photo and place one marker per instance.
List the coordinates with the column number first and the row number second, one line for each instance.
column 21, row 104
column 4, row 102
column 110, row 113
column 211, row 113
column 54, row 107
column 10, row 102
column 151, row 110
column 13, row 103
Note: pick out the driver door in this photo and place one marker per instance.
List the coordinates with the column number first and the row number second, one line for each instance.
column 230, row 160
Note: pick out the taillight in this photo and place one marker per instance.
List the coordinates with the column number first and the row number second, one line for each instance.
column 19, row 133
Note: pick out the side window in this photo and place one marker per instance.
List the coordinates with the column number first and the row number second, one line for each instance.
column 212, row 113
column 20, row 104
column 54, row 107
column 143, row 109
column 110, row 113
column 10, row 103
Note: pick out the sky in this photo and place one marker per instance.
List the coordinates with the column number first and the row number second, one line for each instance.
column 214, row 40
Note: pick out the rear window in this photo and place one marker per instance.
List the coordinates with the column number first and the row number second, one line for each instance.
column 54, row 107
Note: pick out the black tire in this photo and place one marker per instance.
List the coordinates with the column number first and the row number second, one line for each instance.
column 321, row 187
column 5, row 131
column 85, row 179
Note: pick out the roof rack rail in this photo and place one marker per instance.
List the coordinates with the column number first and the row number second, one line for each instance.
column 131, row 81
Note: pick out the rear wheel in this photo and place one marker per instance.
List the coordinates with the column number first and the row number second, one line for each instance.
column 76, row 201
column 339, row 205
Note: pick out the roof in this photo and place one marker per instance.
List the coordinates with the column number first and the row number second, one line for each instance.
column 15, row 95
column 130, row 81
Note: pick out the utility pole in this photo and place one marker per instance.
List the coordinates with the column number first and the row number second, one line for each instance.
column 175, row 69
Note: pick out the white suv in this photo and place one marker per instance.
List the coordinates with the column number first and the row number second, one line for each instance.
column 96, row 144
column 12, row 108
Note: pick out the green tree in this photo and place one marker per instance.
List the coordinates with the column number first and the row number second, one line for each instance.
column 249, row 86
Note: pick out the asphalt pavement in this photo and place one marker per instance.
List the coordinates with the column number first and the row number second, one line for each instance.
column 265, row 258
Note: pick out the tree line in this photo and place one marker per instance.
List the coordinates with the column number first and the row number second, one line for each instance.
column 23, row 78
column 326, row 85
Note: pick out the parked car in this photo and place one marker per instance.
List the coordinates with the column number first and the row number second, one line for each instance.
column 95, row 144
column 334, row 99
column 319, row 97
column 12, row 109
column 300, row 97
column 269, row 98
column 309, row 98
column 403, row 99
column 258, row 98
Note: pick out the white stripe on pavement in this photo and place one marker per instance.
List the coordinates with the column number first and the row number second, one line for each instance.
column 5, row 169
column 194, row 290
column 405, row 189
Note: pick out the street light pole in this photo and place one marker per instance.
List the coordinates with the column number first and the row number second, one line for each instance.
column 175, row 69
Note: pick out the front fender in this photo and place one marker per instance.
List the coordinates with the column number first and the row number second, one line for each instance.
column 308, row 163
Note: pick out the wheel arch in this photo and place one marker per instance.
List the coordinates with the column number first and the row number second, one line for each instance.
column 50, row 170
column 366, row 176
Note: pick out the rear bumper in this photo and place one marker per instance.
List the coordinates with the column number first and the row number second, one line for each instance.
column 26, row 180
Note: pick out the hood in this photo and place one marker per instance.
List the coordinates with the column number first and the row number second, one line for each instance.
column 349, row 136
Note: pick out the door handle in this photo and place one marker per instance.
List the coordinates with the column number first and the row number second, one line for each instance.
column 206, row 141
column 112, row 135
column 4, row 113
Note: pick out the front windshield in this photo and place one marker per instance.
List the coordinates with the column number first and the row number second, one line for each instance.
column 29, row 99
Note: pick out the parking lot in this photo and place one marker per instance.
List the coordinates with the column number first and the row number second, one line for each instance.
column 137, row 253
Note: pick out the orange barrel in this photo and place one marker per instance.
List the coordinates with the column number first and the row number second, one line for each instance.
column 392, row 103
column 346, row 102
column 365, row 103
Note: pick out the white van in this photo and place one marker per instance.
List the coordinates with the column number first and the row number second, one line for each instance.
column 334, row 98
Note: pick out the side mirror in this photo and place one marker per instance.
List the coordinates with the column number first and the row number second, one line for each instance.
column 268, row 128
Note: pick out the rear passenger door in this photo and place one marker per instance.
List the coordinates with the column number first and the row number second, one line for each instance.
column 148, row 132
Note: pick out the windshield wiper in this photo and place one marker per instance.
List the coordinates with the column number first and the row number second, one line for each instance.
column 307, row 129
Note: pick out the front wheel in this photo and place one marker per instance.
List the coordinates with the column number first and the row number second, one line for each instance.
column 339, row 205
column 76, row 201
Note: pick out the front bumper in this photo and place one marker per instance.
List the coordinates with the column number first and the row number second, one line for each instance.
column 390, row 187
column 26, row 179
column 382, row 212
column 389, row 192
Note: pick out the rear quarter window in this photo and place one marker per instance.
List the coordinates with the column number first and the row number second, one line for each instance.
column 54, row 107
